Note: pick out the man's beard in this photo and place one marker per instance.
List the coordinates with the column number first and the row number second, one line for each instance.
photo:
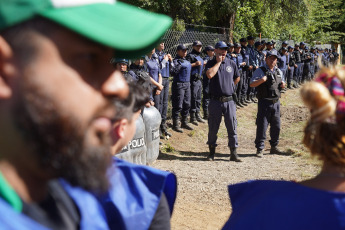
column 60, row 144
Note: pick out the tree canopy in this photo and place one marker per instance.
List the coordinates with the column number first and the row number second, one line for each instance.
column 308, row 20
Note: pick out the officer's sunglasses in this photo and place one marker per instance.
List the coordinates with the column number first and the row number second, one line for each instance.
column 223, row 48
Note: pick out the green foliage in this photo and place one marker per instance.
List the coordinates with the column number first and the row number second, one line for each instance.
column 308, row 20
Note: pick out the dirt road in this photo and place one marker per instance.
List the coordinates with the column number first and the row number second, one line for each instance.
column 203, row 201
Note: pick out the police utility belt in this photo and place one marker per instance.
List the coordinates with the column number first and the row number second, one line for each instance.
column 273, row 101
column 222, row 98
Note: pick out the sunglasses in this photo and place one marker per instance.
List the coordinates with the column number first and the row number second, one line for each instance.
column 223, row 48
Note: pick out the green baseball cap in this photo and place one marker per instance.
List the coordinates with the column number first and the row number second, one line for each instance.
column 131, row 31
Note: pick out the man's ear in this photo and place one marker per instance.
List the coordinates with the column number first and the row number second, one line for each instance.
column 5, row 68
column 119, row 130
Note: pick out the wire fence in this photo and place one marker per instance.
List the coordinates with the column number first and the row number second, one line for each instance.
column 173, row 38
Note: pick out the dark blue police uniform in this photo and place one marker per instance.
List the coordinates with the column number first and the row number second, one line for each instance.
column 291, row 68
column 268, row 106
column 240, row 58
column 205, row 85
column 222, row 88
column 180, row 92
column 153, row 69
column 196, row 85
column 164, row 96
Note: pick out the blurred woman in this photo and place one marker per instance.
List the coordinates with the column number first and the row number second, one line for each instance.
column 318, row 203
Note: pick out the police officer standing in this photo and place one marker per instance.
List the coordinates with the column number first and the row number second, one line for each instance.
column 154, row 71
column 209, row 50
column 224, row 75
column 196, row 82
column 306, row 66
column 166, row 62
column 253, row 65
column 240, row 59
column 181, row 89
column 291, row 67
column 268, row 80
column 298, row 60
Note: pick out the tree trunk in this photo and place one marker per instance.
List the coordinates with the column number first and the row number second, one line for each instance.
column 232, row 25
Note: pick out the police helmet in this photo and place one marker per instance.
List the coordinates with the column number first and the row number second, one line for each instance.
column 256, row 44
column 197, row 43
column 243, row 40
column 181, row 47
column 120, row 60
column 237, row 45
column 209, row 48
column 220, row 45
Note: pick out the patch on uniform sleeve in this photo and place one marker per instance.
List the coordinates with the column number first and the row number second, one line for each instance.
column 228, row 69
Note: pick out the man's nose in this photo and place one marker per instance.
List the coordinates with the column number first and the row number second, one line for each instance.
column 115, row 86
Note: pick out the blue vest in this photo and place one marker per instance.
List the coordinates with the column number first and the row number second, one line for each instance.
column 282, row 62
column 92, row 215
column 185, row 70
column 198, row 69
column 130, row 203
column 153, row 68
column 240, row 59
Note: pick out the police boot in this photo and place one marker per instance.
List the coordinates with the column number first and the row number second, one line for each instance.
column 185, row 124
column 212, row 149
column 247, row 100
column 198, row 118
column 164, row 130
column 243, row 102
column 239, row 104
column 233, row 155
column 206, row 114
column 252, row 98
column 177, row 125
column 193, row 119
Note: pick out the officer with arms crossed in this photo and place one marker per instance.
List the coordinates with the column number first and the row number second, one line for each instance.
column 268, row 80
column 224, row 75
column 195, row 82
column 180, row 89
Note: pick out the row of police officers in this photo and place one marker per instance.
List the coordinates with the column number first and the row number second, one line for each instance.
column 225, row 77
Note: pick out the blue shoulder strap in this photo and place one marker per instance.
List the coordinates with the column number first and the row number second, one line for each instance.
column 10, row 219
column 132, row 201
column 92, row 215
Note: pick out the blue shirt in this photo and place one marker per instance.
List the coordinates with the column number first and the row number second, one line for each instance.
column 222, row 84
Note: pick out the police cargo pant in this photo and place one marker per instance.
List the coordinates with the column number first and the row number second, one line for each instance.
column 239, row 84
column 250, row 90
column 289, row 76
column 312, row 71
column 216, row 109
column 196, row 88
column 164, row 99
column 244, row 86
column 205, row 93
column 306, row 72
column 268, row 114
column 301, row 72
column 180, row 96
column 284, row 77
column 156, row 98
column 296, row 75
